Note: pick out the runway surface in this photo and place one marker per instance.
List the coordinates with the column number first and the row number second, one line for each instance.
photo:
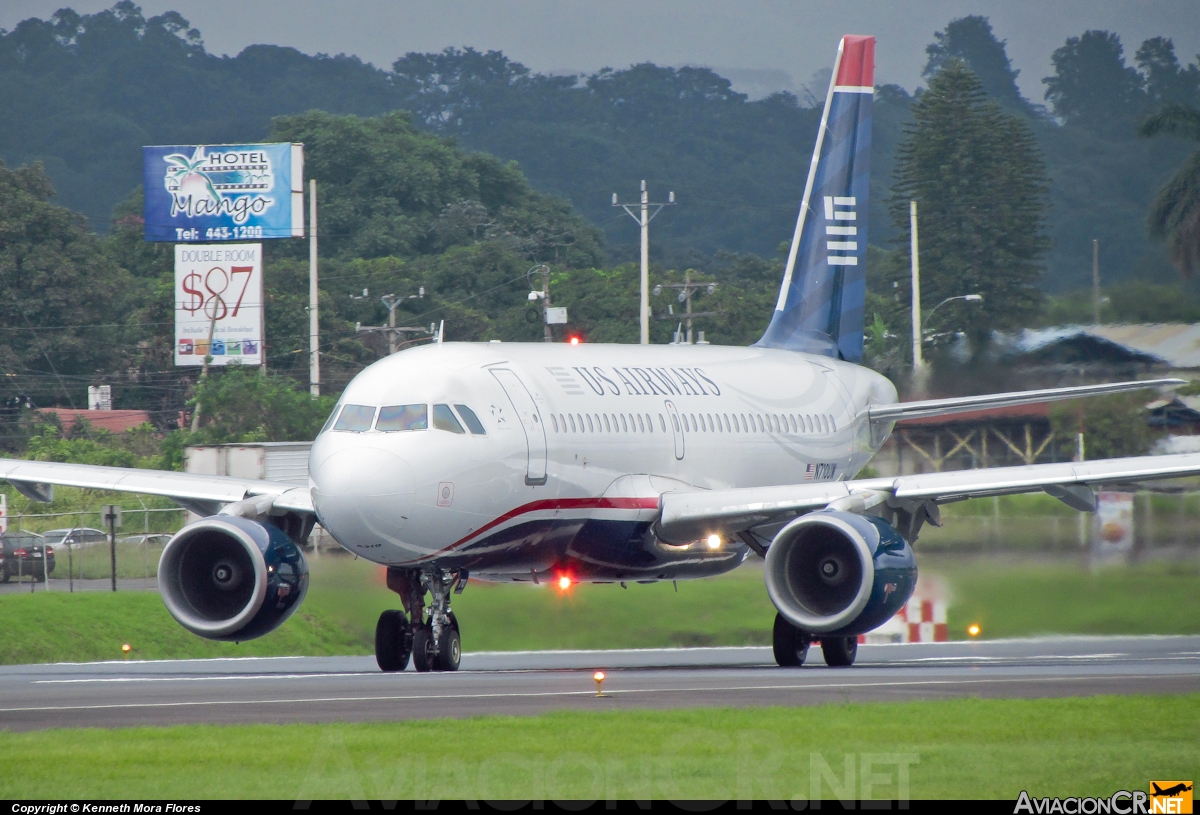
column 324, row 689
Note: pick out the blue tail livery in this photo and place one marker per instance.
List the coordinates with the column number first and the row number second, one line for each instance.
column 821, row 301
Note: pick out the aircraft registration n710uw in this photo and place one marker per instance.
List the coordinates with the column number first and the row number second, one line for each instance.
column 568, row 463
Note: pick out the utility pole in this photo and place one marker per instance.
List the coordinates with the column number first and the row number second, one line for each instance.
column 644, row 217
column 1095, row 281
column 547, row 334
column 687, row 289
column 914, row 250
column 212, row 327
column 394, row 332
column 314, row 331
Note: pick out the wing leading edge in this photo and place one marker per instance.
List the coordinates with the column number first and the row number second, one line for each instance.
column 964, row 404
column 687, row 516
column 203, row 494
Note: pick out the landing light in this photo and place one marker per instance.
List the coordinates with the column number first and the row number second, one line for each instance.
column 713, row 541
column 564, row 582
column 973, row 629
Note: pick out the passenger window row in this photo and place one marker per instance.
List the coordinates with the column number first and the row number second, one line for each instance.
column 606, row 423
column 396, row 418
column 791, row 423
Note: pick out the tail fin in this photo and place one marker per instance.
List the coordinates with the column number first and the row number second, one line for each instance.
column 820, row 308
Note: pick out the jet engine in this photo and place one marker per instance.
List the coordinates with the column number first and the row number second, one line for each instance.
column 837, row 573
column 231, row 578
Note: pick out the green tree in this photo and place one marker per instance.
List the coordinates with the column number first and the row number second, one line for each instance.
column 61, row 296
column 1175, row 215
column 972, row 40
column 1167, row 82
column 243, row 405
column 1113, row 426
column 1092, row 85
column 980, row 186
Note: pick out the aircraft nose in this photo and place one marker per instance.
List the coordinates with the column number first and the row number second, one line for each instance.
column 363, row 494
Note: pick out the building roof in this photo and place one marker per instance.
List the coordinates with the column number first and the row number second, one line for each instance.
column 1176, row 345
column 117, row 421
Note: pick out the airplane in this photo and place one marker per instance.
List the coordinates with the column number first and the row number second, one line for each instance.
column 1169, row 792
column 604, row 463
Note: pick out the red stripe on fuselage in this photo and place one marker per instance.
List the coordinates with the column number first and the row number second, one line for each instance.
column 551, row 504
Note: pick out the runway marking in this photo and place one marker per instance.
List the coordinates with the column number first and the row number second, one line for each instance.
column 614, row 693
column 239, row 677
column 222, row 678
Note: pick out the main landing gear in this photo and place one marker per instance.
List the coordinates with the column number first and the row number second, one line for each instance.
column 791, row 646
column 428, row 634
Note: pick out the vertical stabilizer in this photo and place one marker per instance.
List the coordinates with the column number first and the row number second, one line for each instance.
column 821, row 301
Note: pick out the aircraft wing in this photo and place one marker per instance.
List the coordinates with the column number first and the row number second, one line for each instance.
column 687, row 516
column 964, row 404
column 203, row 494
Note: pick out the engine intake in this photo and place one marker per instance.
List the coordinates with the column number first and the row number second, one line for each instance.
column 231, row 578
column 833, row 572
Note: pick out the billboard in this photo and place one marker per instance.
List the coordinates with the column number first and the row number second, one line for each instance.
column 223, row 192
column 218, row 289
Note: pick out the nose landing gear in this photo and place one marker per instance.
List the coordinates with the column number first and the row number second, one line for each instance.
column 428, row 633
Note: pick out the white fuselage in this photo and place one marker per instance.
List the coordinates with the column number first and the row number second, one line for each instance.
column 578, row 443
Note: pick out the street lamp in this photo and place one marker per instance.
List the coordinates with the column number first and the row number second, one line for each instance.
column 968, row 298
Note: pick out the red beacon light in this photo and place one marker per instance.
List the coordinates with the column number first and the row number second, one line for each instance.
column 574, row 340
column 564, row 583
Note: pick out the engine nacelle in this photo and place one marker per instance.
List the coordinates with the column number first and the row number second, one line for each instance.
column 833, row 572
column 231, row 578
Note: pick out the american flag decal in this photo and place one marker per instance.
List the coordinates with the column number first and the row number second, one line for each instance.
column 822, row 471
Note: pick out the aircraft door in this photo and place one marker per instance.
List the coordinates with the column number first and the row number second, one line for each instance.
column 531, row 423
column 676, row 429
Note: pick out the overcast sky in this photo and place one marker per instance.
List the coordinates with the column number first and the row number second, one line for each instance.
column 797, row 37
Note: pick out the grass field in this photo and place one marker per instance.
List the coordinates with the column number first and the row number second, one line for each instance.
column 1007, row 598
column 962, row 748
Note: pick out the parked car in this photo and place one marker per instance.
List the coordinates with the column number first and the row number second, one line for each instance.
column 79, row 536
column 24, row 553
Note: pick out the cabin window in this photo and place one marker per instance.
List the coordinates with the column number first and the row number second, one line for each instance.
column 443, row 419
column 579, row 416
column 572, row 418
column 832, row 425
column 355, row 418
column 624, row 424
column 589, row 424
column 607, row 426
column 725, row 416
column 759, row 419
column 791, row 418
column 662, row 423
column 641, row 424
column 675, row 422
column 472, row 421
column 649, row 423
column 554, row 421
column 393, row 418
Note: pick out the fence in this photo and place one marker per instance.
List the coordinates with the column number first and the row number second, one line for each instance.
column 1164, row 523
column 139, row 544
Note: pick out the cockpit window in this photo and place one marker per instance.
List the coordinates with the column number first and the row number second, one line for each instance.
column 443, row 419
column 355, row 418
column 403, row 417
column 333, row 414
column 473, row 423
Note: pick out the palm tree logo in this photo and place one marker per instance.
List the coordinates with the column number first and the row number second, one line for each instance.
column 186, row 181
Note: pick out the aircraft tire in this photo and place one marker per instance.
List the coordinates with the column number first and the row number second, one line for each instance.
column 449, row 651
column 789, row 643
column 422, row 645
column 839, row 652
column 391, row 641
